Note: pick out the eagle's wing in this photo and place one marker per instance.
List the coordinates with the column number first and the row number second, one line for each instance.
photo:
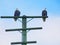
column 44, row 13
column 16, row 14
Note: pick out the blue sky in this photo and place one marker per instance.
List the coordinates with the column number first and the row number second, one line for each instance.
column 49, row 35
column 29, row 7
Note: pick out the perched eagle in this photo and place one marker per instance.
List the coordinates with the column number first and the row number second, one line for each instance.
column 44, row 13
column 16, row 14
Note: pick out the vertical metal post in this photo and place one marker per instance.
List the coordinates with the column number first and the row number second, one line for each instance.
column 24, row 32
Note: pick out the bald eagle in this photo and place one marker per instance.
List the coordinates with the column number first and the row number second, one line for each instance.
column 44, row 13
column 16, row 14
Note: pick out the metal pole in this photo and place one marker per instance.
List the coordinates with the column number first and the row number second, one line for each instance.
column 24, row 32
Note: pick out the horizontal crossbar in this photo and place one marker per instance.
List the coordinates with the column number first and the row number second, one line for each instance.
column 24, row 17
column 24, row 29
column 29, row 42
